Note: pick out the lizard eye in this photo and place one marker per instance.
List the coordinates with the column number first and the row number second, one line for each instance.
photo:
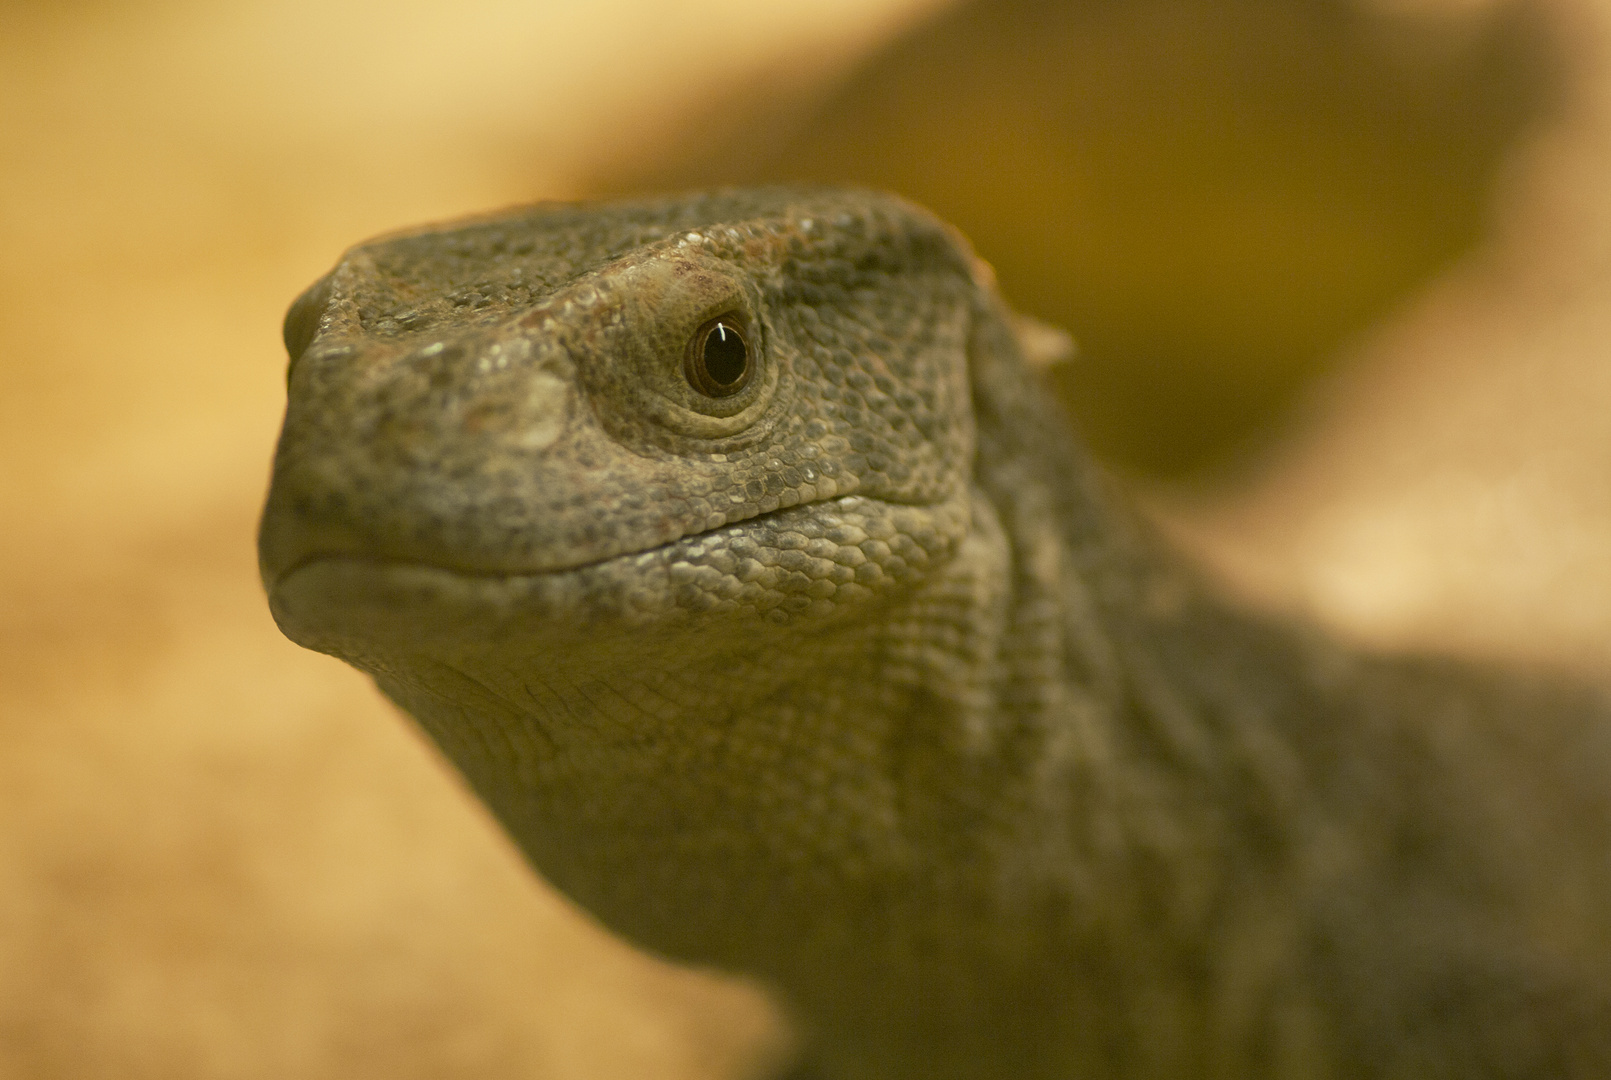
column 718, row 363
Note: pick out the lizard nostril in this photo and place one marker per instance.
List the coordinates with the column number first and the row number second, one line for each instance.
column 301, row 324
column 718, row 362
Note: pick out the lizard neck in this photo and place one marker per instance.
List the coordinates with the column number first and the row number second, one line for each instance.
column 891, row 800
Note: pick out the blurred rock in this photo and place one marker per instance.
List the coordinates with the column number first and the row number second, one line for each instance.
column 1214, row 196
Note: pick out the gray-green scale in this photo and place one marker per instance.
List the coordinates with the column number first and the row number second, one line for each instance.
column 860, row 680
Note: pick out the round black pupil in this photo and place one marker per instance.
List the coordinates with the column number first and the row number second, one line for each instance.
column 726, row 355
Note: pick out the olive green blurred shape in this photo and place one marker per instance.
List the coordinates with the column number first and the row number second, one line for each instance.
column 1212, row 195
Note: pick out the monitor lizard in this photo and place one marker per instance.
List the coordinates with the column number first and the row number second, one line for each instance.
column 734, row 550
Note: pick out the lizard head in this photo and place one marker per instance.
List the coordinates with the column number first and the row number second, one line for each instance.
column 737, row 410
column 661, row 518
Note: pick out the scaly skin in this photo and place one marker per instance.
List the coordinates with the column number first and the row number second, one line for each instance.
column 859, row 681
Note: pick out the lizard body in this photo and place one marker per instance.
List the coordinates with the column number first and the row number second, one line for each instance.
column 828, row 657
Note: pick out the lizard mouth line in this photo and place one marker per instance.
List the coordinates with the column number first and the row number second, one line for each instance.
column 342, row 600
column 379, row 562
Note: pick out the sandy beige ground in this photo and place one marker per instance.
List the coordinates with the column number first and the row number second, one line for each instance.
column 223, row 857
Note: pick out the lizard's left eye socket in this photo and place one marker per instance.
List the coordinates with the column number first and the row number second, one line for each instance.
column 719, row 363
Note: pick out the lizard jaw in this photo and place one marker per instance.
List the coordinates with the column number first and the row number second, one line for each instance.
column 801, row 562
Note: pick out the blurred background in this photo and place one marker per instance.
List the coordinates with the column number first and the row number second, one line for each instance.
column 1340, row 271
